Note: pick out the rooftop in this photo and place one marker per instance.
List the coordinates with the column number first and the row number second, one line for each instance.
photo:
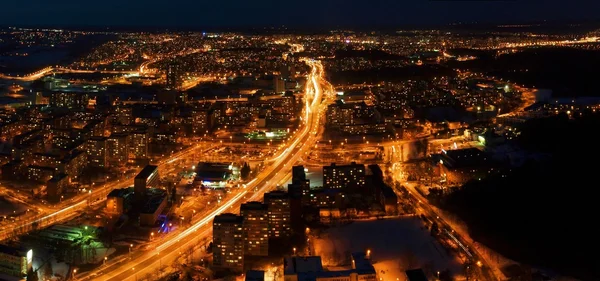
column 57, row 178
column 228, row 218
column 121, row 192
column 293, row 265
column 253, row 205
column 147, row 172
column 155, row 198
column 13, row 250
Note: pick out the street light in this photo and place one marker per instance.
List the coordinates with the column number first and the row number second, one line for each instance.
column 294, row 251
column 130, row 247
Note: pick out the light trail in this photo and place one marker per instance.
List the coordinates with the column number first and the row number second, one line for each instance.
column 170, row 250
column 202, row 222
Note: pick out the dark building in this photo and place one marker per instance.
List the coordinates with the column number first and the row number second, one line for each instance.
column 56, row 186
column 300, row 186
column 461, row 165
column 383, row 193
column 148, row 177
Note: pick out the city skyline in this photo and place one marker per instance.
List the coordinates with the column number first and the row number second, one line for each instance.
column 181, row 151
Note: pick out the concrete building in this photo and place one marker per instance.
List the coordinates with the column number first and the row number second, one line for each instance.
column 156, row 201
column 118, row 148
column 228, row 242
column 344, row 176
column 119, row 201
column 148, row 177
column 256, row 228
column 70, row 100
column 73, row 164
column 138, row 144
column 311, row 269
column 97, row 152
column 214, row 175
column 56, row 186
column 278, row 204
column 40, row 173
column 15, row 262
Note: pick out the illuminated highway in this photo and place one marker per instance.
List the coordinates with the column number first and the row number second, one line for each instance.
column 318, row 94
column 73, row 207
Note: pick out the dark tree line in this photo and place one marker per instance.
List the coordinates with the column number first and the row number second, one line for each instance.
column 541, row 213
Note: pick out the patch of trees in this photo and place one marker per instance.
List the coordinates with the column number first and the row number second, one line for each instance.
column 567, row 71
column 367, row 54
column 539, row 213
column 390, row 74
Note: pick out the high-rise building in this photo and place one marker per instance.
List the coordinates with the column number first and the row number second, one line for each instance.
column 278, row 204
column 138, row 144
column 118, row 148
column 256, row 228
column 344, row 176
column 300, row 186
column 97, row 152
column 278, row 84
column 70, row 100
column 124, row 115
column 147, row 178
column 173, row 76
column 228, row 242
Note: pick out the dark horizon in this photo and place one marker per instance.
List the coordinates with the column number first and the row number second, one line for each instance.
column 310, row 14
column 556, row 26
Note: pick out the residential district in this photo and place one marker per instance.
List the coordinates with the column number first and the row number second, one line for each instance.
column 201, row 156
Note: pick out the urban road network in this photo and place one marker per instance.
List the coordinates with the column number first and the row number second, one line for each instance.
column 319, row 93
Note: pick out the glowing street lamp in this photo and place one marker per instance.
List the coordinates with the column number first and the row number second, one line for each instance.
column 294, row 251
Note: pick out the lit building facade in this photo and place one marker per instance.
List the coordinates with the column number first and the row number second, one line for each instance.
column 138, row 144
column 118, row 148
column 256, row 228
column 344, row 176
column 228, row 242
column 97, row 152
column 278, row 204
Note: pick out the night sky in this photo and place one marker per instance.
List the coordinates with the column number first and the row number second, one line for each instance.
column 308, row 13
